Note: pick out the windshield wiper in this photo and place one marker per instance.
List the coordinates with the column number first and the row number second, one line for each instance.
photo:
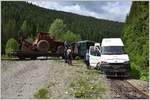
column 109, row 53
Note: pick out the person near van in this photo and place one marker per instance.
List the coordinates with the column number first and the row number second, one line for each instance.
column 97, row 51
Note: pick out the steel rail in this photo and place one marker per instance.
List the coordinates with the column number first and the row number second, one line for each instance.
column 138, row 90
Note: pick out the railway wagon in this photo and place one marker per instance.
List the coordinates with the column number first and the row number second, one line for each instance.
column 83, row 46
column 43, row 45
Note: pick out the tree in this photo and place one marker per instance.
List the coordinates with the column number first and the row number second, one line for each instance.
column 11, row 45
column 9, row 28
column 71, row 37
column 57, row 28
column 135, row 36
column 26, row 28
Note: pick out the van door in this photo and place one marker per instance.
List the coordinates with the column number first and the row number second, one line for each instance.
column 94, row 58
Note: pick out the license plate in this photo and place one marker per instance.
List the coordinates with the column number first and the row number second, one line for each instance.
column 116, row 66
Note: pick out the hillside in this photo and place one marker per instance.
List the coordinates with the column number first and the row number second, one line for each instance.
column 136, row 38
column 15, row 13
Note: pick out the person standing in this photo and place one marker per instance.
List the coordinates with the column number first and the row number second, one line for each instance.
column 65, row 51
column 69, row 56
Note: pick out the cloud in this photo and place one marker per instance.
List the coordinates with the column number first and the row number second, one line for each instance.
column 111, row 10
column 117, row 10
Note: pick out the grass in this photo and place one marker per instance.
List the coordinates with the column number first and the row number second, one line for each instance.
column 87, row 85
column 83, row 88
column 77, row 58
column 5, row 57
column 42, row 93
column 80, row 61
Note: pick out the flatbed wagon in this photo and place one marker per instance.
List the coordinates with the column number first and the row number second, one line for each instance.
column 34, row 55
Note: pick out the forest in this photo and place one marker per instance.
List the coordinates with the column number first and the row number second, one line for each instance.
column 136, row 38
column 20, row 17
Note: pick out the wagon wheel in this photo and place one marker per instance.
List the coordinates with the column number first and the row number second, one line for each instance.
column 33, row 58
column 25, row 49
column 43, row 46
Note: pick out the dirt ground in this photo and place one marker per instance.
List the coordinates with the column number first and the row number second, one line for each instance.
column 22, row 79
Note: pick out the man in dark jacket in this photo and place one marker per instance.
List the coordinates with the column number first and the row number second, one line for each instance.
column 65, row 50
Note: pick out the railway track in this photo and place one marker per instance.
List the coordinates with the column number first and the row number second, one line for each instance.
column 144, row 94
column 125, row 90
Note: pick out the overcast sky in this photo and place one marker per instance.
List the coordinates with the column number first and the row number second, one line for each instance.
column 111, row 10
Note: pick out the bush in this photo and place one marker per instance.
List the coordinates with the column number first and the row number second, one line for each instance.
column 42, row 94
column 11, row 45
column 135, row 72
column 144, row 75
column 139, row 73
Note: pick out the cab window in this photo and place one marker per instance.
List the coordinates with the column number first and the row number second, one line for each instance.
column 94, row 52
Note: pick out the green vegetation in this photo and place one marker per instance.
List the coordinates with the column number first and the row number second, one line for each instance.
column 71, row 37
column 57, row 28
column 11, row 45
column 4, row 57
column 19, row 17
column 25, row 28
column 42, row 94
column 87, row 85
column 136, row 38
column 30, row 39
column 77, row 58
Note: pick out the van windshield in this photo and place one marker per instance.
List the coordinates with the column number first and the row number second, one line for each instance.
column 112, row 50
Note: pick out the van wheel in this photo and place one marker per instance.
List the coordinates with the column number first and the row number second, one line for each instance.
column 98, row 67
column 88, row 67
column 87, row 63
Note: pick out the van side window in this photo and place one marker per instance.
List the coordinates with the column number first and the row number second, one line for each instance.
column 95, row 52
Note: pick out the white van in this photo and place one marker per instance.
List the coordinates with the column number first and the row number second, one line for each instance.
column 114, row 61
